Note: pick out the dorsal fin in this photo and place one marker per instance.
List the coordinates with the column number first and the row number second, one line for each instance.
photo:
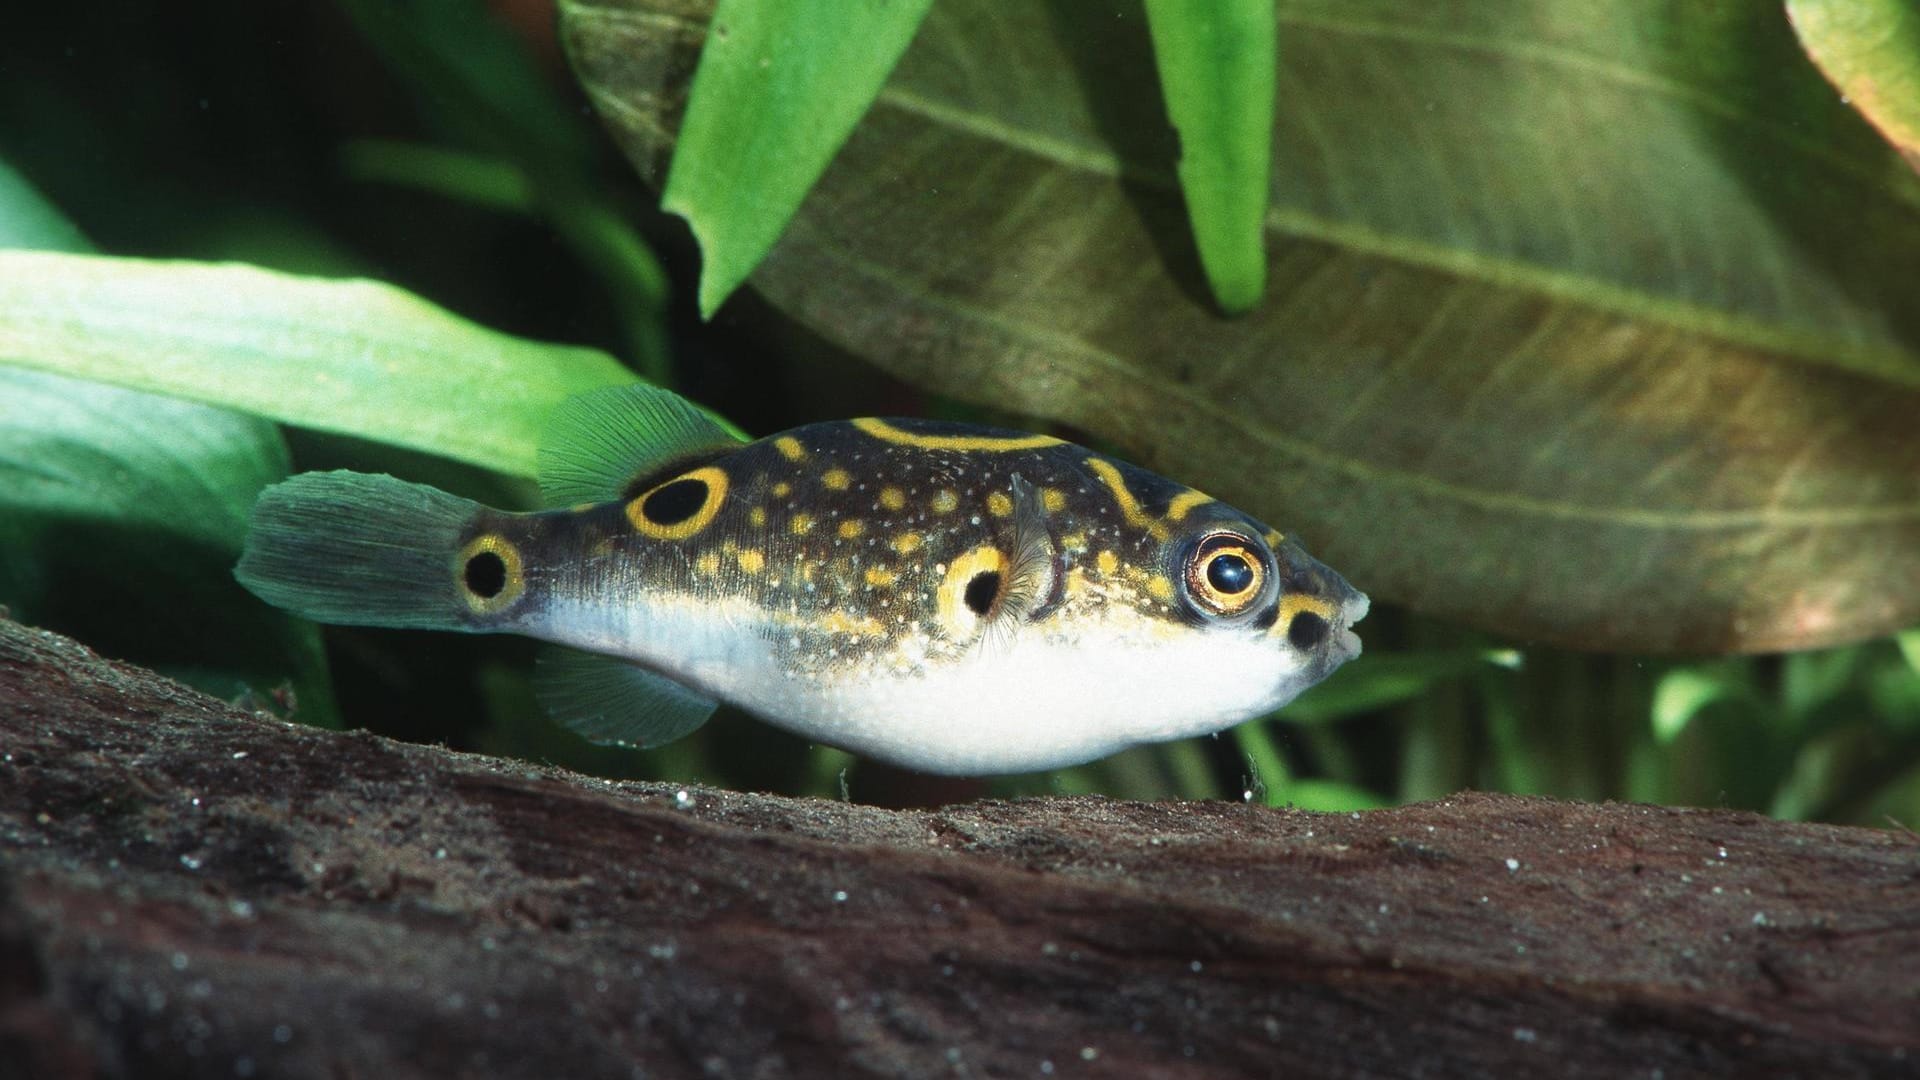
column 1033, row 563
column 599, row 444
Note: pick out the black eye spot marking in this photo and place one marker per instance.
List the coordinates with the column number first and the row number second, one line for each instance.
column 982, row 591
column 486, row 575
column 674, row 503
column 1267, row 618
column 1307, row 630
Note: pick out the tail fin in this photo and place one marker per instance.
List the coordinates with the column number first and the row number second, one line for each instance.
column 347, row 547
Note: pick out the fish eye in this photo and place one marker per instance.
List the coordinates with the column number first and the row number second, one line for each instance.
column 1225, row 573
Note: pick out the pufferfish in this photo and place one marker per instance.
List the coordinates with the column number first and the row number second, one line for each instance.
column 946, row 597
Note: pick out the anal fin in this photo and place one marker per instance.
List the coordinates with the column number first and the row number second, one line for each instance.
column 608, row 700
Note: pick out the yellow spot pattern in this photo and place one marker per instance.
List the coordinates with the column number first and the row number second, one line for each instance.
column 999, row 505
column 945, row 502
column 886, row 432
column 851, row 528
column 782, row 489
column 1160, row 587
column 908, row 543
column 708, row 564
column 893, row 498
column 752, row 561
column 879, row 577
column 836, row 479
column 757, row 517
column 800, row 524
column 1053, row 499
column 789, row 448
column 1108, row 562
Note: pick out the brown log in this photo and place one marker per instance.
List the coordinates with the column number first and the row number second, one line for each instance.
column 191, row 890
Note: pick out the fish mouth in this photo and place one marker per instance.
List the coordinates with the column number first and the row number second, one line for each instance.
column 1352, row 610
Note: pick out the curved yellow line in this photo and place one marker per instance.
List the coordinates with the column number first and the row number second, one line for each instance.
column 509, row 555
column 886, row 432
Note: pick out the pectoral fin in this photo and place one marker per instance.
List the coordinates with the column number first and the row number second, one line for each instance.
column 1034, row 579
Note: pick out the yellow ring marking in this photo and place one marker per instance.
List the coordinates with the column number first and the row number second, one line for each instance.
column 999, row 505
column 509, row 555
column 886, row 432
column 789, row 448
column 893, row 498
column 716, row 480
column 956, row 617
column 836, row 479
column 851, row 528
column 1129, row 506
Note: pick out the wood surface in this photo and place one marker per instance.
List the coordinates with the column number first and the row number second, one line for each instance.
column 187, row 889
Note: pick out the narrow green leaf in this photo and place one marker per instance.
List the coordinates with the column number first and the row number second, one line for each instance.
column 1680, row 696
column 1870, row 51
column 1327, row 796
column 351, row 357
column 1216, row 61
column 1388, row 679
column 778, row 89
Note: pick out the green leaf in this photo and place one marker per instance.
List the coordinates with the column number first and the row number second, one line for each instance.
column 350, row 357
column 1326, row 796
column 778, row 89
column 476, row 80
column 1388, row 679
column 1586, row 324
column 121, row 514
column 1216, row 61
column 1870, row 51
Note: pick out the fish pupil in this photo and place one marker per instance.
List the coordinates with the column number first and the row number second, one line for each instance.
column 675, row 502
column 982, row 590
column 486, row 575
column 1230, row 574
column 1307, row 630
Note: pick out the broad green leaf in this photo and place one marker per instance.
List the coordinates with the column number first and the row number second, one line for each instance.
column 1586, row 323
column 121, row 514
column 778, row 89
column 1870, row 51
column 1216, row 61
column 350, row 357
